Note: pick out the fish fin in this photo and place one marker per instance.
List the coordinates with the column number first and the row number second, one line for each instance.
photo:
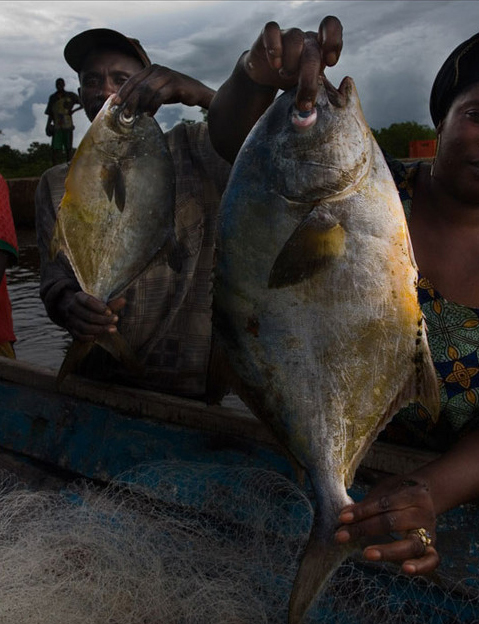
column 76, row 352
column 113, row 184
column 427, row 382
column 114, row 344
column 118, row 347
column 314, row 242
column 108, row 175
column 320, row 560
column 421, row 387
column 172, row 253
column 120, row 190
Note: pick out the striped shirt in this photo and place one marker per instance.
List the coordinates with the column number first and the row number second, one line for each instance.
column 167, row 318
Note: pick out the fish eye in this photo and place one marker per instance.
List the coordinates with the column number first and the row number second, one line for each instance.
column 304, row 119
column 125, row 118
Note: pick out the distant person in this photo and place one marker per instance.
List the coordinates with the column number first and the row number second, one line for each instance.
column 8, row 257
column 60, row 109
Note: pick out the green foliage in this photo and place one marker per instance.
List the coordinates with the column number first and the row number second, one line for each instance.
column 29, row 164
column 204, row 112
column 37, row 158
column 395, row 139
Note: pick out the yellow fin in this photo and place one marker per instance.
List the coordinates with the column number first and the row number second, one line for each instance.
column 317, row 239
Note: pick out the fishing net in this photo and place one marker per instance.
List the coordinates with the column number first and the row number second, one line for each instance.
column 182, row 543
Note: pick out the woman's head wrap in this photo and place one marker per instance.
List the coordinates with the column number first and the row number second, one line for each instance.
column 459, row 71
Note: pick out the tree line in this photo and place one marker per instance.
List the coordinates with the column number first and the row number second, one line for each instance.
column 32, row 163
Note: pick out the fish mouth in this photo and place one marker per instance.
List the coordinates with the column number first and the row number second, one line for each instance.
column 303, row 120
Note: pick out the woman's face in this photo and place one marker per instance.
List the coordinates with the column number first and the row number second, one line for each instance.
column 457, row 160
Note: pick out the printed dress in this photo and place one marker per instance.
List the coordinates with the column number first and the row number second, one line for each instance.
column 453, row 336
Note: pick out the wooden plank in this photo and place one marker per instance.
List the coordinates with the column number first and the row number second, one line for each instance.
column 230, row 419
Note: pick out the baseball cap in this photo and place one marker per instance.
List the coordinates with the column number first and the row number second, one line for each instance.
column 459, row 71
column 78, row 48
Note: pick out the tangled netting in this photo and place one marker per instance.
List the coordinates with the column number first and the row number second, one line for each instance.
column 189, row 544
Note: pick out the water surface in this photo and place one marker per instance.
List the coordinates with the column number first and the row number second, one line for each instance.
column 39, row 340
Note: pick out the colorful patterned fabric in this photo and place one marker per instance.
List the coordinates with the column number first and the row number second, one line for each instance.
column 167, row 319
column 453, row 336
column 9, row 245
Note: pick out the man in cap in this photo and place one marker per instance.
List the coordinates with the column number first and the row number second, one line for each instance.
column 165, row 316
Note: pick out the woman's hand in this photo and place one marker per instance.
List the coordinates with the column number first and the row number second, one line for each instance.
column 398, row 505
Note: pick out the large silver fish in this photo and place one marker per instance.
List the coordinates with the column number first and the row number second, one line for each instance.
column 117, row 212
column 315, row 301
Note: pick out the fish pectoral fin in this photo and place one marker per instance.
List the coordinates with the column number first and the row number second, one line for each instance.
column 172, row 253
column 113, row 184
column 312, row 244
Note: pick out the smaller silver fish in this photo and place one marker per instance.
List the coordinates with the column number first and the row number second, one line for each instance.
column 117, row 213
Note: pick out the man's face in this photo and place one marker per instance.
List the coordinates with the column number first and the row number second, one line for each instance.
column 60, row 85
column 102, row 74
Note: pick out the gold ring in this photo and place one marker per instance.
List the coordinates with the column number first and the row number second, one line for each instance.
column 424, row 536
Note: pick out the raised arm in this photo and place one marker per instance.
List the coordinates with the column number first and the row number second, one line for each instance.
column 157, row 85
column 279, row 59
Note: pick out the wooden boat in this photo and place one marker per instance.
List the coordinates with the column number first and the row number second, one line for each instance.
column 99, row 431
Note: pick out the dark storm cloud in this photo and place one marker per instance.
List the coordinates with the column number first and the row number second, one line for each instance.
column 392, row 49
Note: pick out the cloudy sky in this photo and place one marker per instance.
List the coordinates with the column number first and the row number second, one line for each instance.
column 392, row 49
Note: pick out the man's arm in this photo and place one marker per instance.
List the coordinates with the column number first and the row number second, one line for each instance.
column 279, row 59
column 157, row 85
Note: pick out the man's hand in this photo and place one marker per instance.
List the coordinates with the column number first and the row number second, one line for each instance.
column 285, row 58
column 87, row 317
column 278, row 59
column 157, row 85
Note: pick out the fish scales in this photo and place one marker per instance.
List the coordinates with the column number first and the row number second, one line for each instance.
column 315, row 301
column 117, row 212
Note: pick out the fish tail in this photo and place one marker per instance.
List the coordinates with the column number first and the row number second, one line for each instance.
column 118, row 347
column 77, row 351
column 320, row 560
column 114, row 344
